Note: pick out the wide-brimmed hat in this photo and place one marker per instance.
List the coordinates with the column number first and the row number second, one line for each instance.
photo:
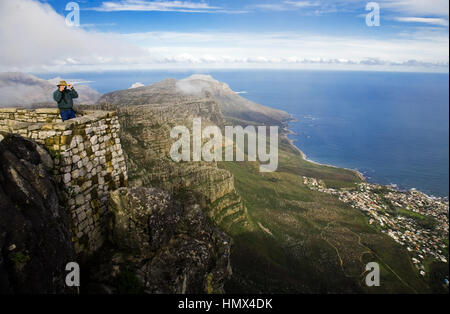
column 62, row 83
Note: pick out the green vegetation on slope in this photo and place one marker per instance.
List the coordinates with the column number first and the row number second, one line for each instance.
column 426, row 222
column 307, row 241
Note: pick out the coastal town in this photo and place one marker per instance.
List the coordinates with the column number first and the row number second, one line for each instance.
column 413, row 219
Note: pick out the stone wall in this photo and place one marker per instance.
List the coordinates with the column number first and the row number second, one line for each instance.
column 88, row 163
column 47, row 115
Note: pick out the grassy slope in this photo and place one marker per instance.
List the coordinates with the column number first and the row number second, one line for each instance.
column 307, row 241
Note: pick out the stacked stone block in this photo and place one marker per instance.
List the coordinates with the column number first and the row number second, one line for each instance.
column 88, row 163
column 44, row 115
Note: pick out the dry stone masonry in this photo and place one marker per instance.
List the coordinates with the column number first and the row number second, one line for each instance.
column 88, row 163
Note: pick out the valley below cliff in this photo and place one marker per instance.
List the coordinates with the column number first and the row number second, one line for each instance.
column 222, row 227
column 286, row 237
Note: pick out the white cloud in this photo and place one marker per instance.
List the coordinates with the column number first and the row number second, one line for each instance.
column 200, row 83
column 136, row 85
column 404, row 8
column 36, row 39
column 418, row 7
column 87, row 25
column 435, row 12
column 165, row 6
column 34, row 36
column 270, row 6
column 288, row 46
column 285, row 5
column 426, row 20
column 140, row 5
column 303, row 4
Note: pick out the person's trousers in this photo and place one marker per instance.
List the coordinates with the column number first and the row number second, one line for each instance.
column 67, row 114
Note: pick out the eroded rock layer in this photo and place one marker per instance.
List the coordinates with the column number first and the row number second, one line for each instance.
column 35, row 241
column 161, row 246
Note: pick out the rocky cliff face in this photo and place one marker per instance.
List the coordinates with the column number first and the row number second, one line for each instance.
column 160, row 246
column 35, row 241
column 145, row 136
column 147, row 115
column 88, row 163
column 162, row 234
column 154, row 243
column 146, row 140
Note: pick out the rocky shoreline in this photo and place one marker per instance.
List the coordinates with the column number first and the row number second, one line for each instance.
column 286, row 131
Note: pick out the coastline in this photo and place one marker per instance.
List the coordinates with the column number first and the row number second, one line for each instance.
column 287, row 131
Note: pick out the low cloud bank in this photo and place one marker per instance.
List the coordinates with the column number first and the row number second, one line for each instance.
column 30, row 29
column 24, row 90
column 136, row 85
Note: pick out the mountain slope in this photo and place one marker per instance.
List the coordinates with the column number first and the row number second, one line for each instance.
column 146, row 140
column 286, row 237
column 35, row 241
column 198, row 87
column 308, row 241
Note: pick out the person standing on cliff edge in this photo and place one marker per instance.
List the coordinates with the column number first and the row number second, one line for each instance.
column 64, row 97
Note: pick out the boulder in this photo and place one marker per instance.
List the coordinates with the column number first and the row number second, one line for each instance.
column 163, row 246
column 35, row 239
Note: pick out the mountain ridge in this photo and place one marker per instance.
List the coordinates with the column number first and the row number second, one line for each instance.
column 197, row 87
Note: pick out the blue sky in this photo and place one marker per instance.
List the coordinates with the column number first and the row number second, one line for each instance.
column 128, row 34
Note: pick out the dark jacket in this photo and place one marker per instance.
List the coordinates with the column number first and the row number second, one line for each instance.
column 64, row 98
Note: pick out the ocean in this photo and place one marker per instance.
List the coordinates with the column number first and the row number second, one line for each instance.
column 392, row 127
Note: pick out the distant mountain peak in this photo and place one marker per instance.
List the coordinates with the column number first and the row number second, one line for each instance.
column 200, row 83
column 197, row 87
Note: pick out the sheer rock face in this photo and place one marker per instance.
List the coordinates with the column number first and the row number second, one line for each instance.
column 35, row 239
column 143, row 219
column 156, row 245
column 88, row 163
column 168, row 248
column 146, row 141
column 147, row 115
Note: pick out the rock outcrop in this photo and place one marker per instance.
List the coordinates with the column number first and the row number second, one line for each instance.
column 163, row 235
column 145, row 136
column 160, row 246
column 35, row 241
column 147, row 115
column 154, row 244
column 88, row 163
